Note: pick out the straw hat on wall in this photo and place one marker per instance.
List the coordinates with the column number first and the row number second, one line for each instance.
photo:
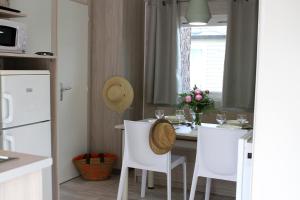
column 117, row 94
column 162, row 136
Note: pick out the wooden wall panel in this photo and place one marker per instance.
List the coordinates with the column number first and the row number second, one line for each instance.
column 106, row 62
column 117, row 49
column 133, row 46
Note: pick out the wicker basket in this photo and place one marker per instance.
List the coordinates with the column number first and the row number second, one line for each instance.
column 95, row 167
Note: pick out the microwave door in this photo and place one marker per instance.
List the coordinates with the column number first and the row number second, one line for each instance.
column 13, row 36
column 8, row 36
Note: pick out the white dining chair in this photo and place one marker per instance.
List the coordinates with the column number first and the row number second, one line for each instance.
column 138, row 155
column 216, row 158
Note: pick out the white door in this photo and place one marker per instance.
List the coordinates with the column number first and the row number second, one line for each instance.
column 72, row 78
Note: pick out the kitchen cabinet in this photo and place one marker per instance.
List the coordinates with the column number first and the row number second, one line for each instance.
column 21, row 178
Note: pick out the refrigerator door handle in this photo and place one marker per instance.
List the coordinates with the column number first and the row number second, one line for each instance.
column 10, row 108
column 9, row 143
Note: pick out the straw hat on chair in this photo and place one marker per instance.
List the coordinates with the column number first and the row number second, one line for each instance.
column 117, row 94
column 162, row 136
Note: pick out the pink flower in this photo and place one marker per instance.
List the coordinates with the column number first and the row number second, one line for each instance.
column 188, row 99
column 197, row 91
column 198, row 97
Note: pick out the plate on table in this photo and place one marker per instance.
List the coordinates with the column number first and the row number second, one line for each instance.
column 235, row 122
column 151, row 120
column 172, row 119
column 229, row 126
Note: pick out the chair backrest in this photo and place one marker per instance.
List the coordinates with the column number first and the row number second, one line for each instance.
column 217, row 152
column 138, row 153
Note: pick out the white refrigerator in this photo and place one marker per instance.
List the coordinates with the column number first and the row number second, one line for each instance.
column 25, row 116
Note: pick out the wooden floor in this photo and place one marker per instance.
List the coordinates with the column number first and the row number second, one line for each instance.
column 79, row 189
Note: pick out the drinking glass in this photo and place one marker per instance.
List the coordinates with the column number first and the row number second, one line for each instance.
column 221, row 118
column 180, row 115
column 242, row 118
column 159, row 114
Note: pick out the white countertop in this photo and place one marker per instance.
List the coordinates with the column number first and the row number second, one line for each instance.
column 24, row 164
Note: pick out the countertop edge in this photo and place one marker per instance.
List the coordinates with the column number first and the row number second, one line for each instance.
column 26, row 169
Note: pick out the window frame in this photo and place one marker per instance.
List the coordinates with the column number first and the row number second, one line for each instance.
column 216, row 96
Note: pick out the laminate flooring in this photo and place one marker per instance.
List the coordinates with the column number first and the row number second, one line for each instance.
column 78, row 189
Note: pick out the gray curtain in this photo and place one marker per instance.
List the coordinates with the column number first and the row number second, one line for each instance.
column 162, row 52
column 240, row 59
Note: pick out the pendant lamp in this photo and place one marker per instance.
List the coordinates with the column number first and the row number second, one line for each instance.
column 198, row 12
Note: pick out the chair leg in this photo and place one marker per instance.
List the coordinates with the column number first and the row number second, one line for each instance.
column 207, row 189
column 124, row 173
column 184, row 180
column 169, row 186
column 135, row 176
column 150, row 179
column 194, row 183
column 144, row 180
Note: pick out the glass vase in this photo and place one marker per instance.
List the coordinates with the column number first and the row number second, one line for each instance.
column 198, row 118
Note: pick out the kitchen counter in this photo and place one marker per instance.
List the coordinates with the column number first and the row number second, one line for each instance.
column 23, row 164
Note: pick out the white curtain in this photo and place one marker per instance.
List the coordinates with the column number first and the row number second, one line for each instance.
column 185, row 50
column 240, row 59
column 162, row 52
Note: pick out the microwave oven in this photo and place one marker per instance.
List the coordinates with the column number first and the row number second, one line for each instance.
column 13, row 37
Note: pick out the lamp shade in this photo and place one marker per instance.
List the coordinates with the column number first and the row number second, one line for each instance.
column 198, row 12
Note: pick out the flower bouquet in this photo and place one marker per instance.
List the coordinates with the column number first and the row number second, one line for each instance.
column 197, row 101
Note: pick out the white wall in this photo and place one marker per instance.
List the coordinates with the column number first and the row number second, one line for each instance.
column 38, row 22
column 276, row 173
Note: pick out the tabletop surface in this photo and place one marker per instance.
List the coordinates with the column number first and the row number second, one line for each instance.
column 186, row 132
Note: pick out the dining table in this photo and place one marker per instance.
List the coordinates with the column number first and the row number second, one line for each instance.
column 185, row 133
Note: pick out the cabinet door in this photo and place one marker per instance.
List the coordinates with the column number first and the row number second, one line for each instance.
column 28, row 187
